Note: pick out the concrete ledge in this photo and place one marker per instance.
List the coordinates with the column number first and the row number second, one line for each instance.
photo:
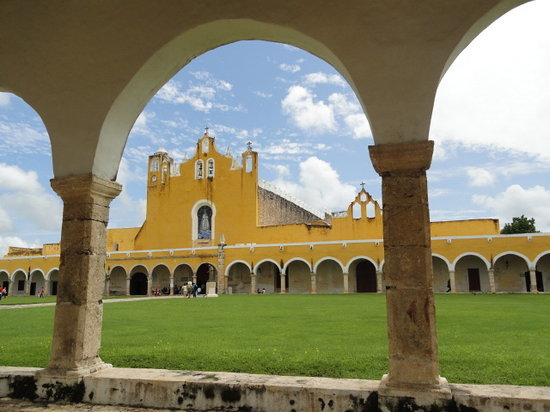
column 196, row 391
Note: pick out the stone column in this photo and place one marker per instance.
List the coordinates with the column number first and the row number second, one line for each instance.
column 46, row 287
column 283, row 283
column 252, row 282
column 128, row 280
column 107, row 285
column 379, row 281
column 171, row 285
column 11, row 287
column 149, row 285
column 346, row 282
column 413, row 353
column 79, row 309
column 222, row 286
column 452, row 281
column 195, row 278
column 492, row 286
column 313, row 283
column 533, row 276
column 28, row 286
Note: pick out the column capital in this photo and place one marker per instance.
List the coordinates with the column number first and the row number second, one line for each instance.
column 406, row 158
column 77, row 187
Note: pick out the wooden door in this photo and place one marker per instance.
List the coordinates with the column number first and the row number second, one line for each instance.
column 474, row 283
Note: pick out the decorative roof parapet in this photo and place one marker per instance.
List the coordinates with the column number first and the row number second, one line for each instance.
column 279, row 192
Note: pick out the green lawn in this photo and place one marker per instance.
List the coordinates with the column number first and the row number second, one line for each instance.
column 499, row 339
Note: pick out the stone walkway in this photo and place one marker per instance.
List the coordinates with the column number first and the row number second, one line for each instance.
column 34, row 305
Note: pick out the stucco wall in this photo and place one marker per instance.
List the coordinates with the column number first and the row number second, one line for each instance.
column 276, row 210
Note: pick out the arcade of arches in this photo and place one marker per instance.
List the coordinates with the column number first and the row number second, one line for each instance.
column 94, row 77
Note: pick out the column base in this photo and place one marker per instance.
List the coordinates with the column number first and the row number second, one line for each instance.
column 393, row 397
column 52, row 372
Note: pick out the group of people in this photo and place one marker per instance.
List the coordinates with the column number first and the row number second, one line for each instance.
column 191, row 290
column 261, row 291
column 3, row 292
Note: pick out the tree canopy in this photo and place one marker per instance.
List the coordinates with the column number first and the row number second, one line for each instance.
column 520, row 224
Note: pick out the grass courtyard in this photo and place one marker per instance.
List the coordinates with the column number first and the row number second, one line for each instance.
column 498, row 339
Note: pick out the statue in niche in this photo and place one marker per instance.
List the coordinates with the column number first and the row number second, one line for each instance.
column 204, row 216
column 199, row 170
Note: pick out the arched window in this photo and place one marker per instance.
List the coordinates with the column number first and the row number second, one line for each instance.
column 204, row 219
column 371, row 210
column 210, row 168
column 248, row 166
column 198, row 169
column 205, row 146
column 155, row 165
column 356, row 210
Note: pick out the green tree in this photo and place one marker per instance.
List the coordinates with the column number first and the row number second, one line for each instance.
column 520, row 224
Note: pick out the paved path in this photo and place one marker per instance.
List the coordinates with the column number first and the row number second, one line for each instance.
column 34, row 305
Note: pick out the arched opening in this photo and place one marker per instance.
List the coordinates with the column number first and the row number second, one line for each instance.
column 53, row 276
column 512, row 274
column 161, row 280
column 38, row 283
column 329, row 277
column 268, row 277
column 298, row 277
column 5, row 280
column 238, row 279
column 19, row 281
column 117, row 281
column 471, row 275
column 204, row 219
column 139, row 280
column 183, row 274
column 441, row 275
column 205, row 273
column 543, row 273
column 365, row 277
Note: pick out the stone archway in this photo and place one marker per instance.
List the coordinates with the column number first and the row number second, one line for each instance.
column 139, row 280
column 441, row 278
column 329, row 277
column 471, row 275
column 267, row 275
column 205, row 273
column 161, row 279
column 37, row 283
column 117, row 281
column 365, row 277
column 239, row 279
column 298, row 277
column 511, row 274
column 543, row 273
column 18, row 284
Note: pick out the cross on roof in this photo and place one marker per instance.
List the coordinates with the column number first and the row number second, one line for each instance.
column 362, row 185
column 206, row 130
column 249, row 145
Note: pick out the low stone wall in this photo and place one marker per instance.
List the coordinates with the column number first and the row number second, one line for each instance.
column 196, row 391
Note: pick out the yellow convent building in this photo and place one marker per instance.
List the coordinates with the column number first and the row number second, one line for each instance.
column 210, row 219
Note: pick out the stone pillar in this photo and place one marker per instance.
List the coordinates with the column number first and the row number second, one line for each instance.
column 222, row 286
column 313, row 283
column 79, row 309
column 128, row 280
column 46, row 287
column 533, row 276
column 194, row 278
column 379, row 281
column 252, row 282
column 11, row 287
column 492, row 286
column 283, row 283
column 171, row 285
column 149, row 285
column 452, row 281
column 107, row 285
column 346, row 282
column 28, row 286
column 413, row 353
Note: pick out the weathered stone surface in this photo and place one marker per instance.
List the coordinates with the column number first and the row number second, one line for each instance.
column 78, row 316
column 413, row 360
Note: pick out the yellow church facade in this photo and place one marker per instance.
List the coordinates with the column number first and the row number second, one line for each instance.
column 210, row 219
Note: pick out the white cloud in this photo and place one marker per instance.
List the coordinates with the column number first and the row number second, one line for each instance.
column 6, row 224
column 23, row 137
column 323, row 78
column 24, row 199
column 202, row 98
column 6, row 241
column 4, row 99
column 286, row 146
column 319, row 186
column 496, row 93
column 308, row 115
column 291, row 68
column 359, row 125
column 517, row 201
column 263, row 94
column 480, row 177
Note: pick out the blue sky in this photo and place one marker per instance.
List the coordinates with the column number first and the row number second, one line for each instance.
column 491, row 125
